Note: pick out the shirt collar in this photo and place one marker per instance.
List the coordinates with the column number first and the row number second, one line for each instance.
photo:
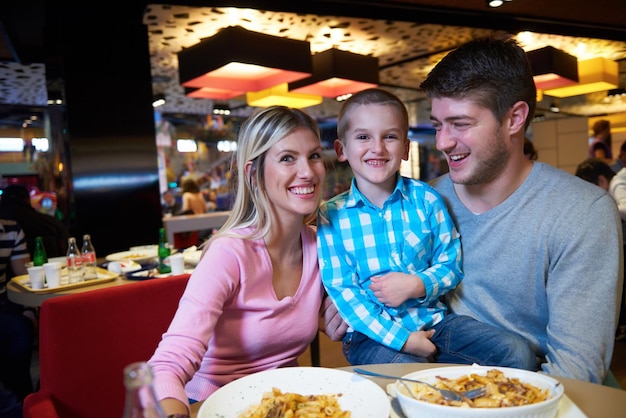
column 355, row 197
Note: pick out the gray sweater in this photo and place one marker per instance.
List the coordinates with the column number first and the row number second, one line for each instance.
column 545, row 263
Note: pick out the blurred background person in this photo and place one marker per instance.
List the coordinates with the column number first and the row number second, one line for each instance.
column 15, row 205
column 18, row 325
column 211, row 201
column 171, row 206
column 600, row 142
column 620, row 161
column 529, row 150
column 193, row 200
column 617, row 189
column 596, row 171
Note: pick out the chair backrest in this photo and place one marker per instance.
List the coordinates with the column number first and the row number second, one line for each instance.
column 87, row 339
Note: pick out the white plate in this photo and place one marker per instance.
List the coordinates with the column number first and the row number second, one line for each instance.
column 123, row 266
column 139, row 256
column 144, row 247
column 192, row 257
column 567, row 408
column 362, row 397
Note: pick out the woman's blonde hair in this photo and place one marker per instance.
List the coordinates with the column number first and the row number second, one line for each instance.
column 264, row 128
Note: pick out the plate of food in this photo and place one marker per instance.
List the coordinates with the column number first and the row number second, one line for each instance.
column 138, row 255
column 511, row 393
column 344, row 393
column 192, row 255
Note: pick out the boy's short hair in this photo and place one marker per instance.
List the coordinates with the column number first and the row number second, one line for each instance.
column 369, row 96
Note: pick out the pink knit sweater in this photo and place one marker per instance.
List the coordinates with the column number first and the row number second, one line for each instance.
column 229, row 322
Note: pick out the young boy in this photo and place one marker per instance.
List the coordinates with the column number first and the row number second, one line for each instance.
column 389, row 251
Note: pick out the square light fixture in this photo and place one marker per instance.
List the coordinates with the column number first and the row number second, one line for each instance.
column 337, row 72
column 596, row 74
column 212, row 93
column 496, row 3
column 241, row 60
column 552, row 68
column 281, row 96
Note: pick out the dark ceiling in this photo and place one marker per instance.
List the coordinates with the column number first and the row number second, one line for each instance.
column 23, row 24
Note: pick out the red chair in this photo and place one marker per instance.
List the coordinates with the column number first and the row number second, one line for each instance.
column 86, row 339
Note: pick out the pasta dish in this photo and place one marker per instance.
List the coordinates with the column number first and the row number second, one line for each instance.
column 501, row 391
column 276, row 404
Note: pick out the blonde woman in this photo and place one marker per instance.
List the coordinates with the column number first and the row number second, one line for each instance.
column 254, row 300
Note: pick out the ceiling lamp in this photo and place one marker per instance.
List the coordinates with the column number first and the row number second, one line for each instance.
column 241, row 60
column 596, row 74
column 337, row 72
column 281, row 96
column 496, row 3
column 212, row 93
column 552, row 68
column 158, row 100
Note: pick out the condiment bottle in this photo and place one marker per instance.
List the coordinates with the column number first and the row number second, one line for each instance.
column 74, row 262
column 89, row 258
column 164, row 253
column 141, row 401
column 39, row 255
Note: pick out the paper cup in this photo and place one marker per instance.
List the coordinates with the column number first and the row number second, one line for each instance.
column 53, row 274
column 177, row 262
column 36, row 276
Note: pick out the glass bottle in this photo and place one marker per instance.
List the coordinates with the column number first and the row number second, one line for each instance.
column 89, row 258
column 39, row 255
column 164, row 253
column 141, row 401
column 74, row 262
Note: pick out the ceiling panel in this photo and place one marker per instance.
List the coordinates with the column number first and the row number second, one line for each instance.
column 408, row 37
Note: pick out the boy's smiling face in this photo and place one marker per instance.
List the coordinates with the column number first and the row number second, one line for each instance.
column 374, row 145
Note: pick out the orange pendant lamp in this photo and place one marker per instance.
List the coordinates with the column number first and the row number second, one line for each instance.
column 596, row 74
column 552, row 68
column 240, row 60
column 337, row 72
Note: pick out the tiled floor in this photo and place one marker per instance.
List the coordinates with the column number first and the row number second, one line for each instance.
column 331, row 356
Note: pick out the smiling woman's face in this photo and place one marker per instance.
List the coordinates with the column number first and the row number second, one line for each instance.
column 294, row 173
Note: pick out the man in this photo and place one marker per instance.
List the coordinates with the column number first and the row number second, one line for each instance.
column 530, row 233
column 16, row 324
column 15, row 205
column 620, row 161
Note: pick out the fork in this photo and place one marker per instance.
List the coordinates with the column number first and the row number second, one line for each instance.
column 450, row 395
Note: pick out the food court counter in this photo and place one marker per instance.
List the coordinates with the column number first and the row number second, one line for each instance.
column 190, row 223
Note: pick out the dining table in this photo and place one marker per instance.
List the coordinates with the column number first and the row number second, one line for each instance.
column 595, row 401
column 23, row 295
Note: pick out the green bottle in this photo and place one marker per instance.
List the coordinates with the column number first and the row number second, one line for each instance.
column 39, row 256
column 164, row 253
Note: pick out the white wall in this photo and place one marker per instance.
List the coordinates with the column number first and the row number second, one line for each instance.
column 562, row 142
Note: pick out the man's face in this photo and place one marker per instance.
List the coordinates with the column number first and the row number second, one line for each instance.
column 471, row 139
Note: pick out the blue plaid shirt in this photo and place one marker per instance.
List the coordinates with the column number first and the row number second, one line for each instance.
column 413, row 233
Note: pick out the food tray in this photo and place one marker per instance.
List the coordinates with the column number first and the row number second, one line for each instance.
column 103, row 277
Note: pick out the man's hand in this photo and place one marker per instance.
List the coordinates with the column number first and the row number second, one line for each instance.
column 330, row 322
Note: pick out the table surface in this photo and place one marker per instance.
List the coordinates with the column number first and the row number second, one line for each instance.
column 17, row 294
column 594, row 400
